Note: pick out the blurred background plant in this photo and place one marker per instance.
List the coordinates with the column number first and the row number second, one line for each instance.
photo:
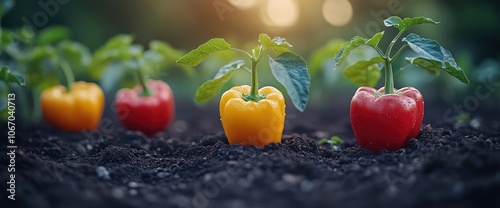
column 317, row 28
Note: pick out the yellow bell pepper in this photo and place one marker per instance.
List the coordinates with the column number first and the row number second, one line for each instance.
column 249, row 122
column 79, row 109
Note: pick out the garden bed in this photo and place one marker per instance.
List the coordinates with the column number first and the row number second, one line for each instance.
column 192, row 165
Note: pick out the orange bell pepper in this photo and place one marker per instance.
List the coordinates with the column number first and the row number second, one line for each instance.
column 249, row 122
column 79, row 109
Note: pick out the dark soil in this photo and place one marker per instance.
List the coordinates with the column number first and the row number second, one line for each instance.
column 192, row 165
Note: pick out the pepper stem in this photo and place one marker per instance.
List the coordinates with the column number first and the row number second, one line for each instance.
column 254, row 92
column 145, row 90
column 68, row 73
column 389, row 78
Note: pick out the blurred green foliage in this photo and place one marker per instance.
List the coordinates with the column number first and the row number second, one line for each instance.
column 186, row 24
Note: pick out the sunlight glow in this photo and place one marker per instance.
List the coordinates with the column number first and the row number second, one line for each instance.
column 244, row 4
column 280, row 13
column 337, row 12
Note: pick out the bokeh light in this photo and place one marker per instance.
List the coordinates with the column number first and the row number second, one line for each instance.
column 337, row 12
column 280, row 13
column 244, row 4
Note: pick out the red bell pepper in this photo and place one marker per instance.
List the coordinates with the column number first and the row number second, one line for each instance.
column 386, row 121
column 148, row 111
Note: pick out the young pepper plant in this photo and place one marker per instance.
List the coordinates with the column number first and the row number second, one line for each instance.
column 41, row 57
column 333, row 141
column 387, row 118
column 7, row 78
column 76, row 105
column 249, row 115
column 149, row 107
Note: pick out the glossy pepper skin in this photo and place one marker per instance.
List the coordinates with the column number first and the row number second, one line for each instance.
column 386, row 121
column 253, row 123
column 79, row 109
column 147, row 114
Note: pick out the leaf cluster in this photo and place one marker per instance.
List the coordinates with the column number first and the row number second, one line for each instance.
column 288, row 68
column 366, row 70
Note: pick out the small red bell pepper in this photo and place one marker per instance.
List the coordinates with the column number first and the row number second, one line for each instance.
column 388, row 118
column 386, row 121
column 149, row 111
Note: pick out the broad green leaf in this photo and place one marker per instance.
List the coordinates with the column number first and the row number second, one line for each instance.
column 25, row 34
column 162, row 54
column 42, row 52
column 291, row 71
column 403, row 24
column 118, row 48
column 165, row 49
column 210, row 88
column 365, row 72
column 42, row 67
column 6, row 6
column 6, row 38
column 432, row 57
column 318, row 57
column 346, row 49
column 373, row 42
column 279, row 44
column 428, row 65
column 199, row 54
column 52, row 34
column 237, row 64
column 7, row 77
column 75, row 53
column 119, row 41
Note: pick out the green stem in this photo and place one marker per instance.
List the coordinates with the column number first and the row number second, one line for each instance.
column 68, row 73
column 389, row 78
column 391, row 45
column 254, row 92
column 145, row 90
column 398, row 53
column 379, row 52
column 239, row 50
column 254, row 88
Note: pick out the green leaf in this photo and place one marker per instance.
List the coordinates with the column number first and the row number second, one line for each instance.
column 291, row 71
column 318, row 57
column 373, row 42
column 365, row 72
column 6, row 38
column 7, row 77
column 118, row 48
column 432, row 57
column 6, row 6
column 199, row 54
column 346, row 49
column 41, row 53
column 119, row 41
column 336, row 140
column 53, row 34
column 75, row 53
column 403, row 24
column 166, row 50
column 279, row 44
column 210, row 88
column 162, row 55
column 323, row 141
